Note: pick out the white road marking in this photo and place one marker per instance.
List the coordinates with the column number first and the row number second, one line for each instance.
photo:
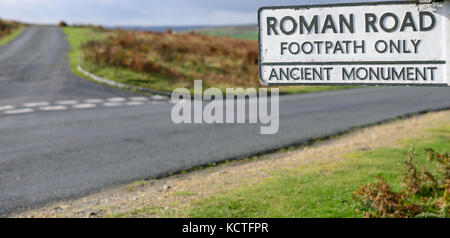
column 67, row 102
column 53, row 108
column 112, row 104
column 158, row 97
column 117, row 99
column 93, row 100
column 134, row 103
column 175, row 101
column 36, row 104
column 83, row 106
column 88, row 103
column 7, row 107
column 18, row 111
column 138, row 99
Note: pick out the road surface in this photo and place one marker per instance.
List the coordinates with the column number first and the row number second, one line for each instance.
column 62, row 136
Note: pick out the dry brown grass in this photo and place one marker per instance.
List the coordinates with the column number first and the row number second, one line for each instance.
column 218, row 61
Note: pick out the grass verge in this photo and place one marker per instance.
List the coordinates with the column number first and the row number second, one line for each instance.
column 321, row 190
column 77, row 36
column 16, row 32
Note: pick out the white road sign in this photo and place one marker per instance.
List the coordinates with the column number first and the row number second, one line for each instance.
column 395, row 43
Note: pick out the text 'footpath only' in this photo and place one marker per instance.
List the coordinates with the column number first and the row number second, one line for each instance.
column 395, row 43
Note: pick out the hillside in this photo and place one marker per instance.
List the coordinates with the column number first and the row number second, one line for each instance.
column 165, row 61
column 248, row 32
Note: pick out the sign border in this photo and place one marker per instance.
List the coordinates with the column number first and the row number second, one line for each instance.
column 355, row 4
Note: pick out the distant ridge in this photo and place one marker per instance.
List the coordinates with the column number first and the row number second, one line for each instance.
column 196, row 28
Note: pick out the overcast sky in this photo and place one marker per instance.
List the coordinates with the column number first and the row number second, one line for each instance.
column 143, row 12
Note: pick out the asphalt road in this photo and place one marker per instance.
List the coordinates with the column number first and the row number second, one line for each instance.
column 59, row 137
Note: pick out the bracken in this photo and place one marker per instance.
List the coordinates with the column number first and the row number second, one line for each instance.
column 7, row 26
column 424, row 194
column 182, row 57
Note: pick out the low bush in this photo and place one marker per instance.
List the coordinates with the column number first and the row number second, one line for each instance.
column 62, row 24
column 6, row 27
column 424, row 193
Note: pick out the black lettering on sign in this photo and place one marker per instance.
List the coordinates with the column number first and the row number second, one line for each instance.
column 371, row 20
column 383, row 23
column 348, row 24
column 408, row 21
column 431, row 17
column 283, row 22
column 309, row 27
column 389, row 73
column 288, row 25
column 397, row 46
column 426, row 21
column 300, row 73
column 381, row 46
column 329, row 24
column 323, row 47
column 272, row 26
column 387, row 22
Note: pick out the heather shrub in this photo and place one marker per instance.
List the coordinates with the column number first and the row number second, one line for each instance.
column 423, row 194
column 180, row 57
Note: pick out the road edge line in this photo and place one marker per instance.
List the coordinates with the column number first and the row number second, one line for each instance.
column 113, row 83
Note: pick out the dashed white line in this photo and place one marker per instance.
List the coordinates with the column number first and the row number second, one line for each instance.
column 83, row 106
column 134, row 103
column 67, row 102
column 88, row 103
column 18, row 111
column 158, row 97
column 175, row 101
column 112, row 104
column 117, row 99
column 94, row 100
column 138, row 99
column 36, row 104
column 6, row 107
column 53, row 108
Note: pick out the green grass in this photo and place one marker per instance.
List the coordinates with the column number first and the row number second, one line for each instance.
column 321, row 190
column 310, row 89
column 247, row 35
column 184, row 193
column 248, row 32
column 136, row 184
column 130, row 77
column 16, row 32
column 77, row 36
column 149, row 211
column 316, row 190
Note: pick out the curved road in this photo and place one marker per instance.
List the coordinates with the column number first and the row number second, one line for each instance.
column 57, row 142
